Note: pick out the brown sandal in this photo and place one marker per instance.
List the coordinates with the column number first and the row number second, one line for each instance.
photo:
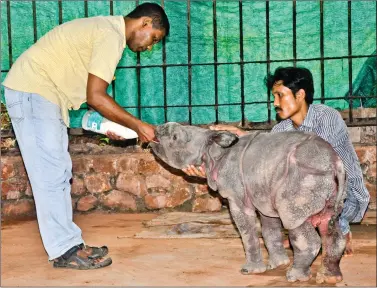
column 95, row 252
column 81, row 259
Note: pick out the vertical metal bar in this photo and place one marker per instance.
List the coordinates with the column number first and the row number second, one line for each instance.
column 215, row 60
column 113, row 82
column 9, row 35
column 322, row 51
column 34, row 7
column 268, row 58
column 376, row 41
column 60, row 7
column 350, row 100
column 294, row 13
column 189, row 67
column 138, row 78
column 242, row 75
column 111, row 7
column 164, row 71
column 86, row 9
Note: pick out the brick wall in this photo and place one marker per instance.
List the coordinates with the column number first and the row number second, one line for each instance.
column 117, row 179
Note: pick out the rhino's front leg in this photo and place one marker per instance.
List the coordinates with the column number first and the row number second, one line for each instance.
column 248, row 230
column 272, row 235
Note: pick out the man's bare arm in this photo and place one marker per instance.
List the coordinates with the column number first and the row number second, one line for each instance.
column 99, row 100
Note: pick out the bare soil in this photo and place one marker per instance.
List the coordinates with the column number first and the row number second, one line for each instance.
column 159, row 262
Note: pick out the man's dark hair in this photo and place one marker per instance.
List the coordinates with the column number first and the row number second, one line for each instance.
column 295, row 79
column 159, row 19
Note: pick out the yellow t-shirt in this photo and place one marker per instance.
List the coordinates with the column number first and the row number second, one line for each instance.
column 57, row 66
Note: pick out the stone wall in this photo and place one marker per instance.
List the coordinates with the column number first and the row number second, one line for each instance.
column 111, row 179
column 132, row 180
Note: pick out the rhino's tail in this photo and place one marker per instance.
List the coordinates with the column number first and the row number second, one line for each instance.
column 341, row 176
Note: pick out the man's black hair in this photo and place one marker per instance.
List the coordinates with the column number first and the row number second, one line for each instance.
column 294, row 78
column 159, row 19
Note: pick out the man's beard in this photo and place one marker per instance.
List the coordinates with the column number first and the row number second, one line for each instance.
column 277, row 116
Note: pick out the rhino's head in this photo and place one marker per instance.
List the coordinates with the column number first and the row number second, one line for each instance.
column 180, row 146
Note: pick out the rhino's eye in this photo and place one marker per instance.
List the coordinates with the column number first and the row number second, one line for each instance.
column 174, row 137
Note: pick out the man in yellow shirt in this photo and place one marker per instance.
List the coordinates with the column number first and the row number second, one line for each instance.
column 72, row 64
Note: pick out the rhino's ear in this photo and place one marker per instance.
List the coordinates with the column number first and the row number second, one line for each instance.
column 224, row 138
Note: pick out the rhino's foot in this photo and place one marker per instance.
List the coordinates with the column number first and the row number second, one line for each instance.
column 253, row 268
column 294, row 275
column 325, row 276
column 276, row 261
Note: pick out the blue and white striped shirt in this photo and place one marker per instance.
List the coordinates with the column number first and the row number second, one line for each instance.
column 327, row 123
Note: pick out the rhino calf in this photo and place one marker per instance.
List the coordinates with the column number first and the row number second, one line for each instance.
column 290, row 178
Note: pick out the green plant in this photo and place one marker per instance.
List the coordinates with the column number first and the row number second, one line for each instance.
column 104, row 141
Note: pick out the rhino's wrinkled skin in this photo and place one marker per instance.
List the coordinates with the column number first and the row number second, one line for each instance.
column 290, row 176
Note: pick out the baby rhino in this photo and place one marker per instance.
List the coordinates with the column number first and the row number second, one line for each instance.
column 294, row 176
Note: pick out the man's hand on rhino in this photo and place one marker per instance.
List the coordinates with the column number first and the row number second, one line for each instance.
column 192, row 170
column 230, row 128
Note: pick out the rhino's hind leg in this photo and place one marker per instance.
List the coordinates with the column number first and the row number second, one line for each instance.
column 272, row 235
column 333, row 245
column 306, row 244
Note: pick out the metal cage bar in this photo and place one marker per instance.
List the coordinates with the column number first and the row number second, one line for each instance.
column 86, row 9
column 350, row 60
column 215, row 60
column 294, row 28
column 9, row 22
column 34, row 7
column 236, row 62
column 164, row 72
column 189, row 66
column 60, row 7
column 268, row 59
column 239, row 103
column 242, row 72
column 322, row 51
column 138, row 78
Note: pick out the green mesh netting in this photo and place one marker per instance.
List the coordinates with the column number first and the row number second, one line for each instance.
column 336, row 71
column 366, row 84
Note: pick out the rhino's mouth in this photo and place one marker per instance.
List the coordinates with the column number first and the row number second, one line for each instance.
column 155, row 140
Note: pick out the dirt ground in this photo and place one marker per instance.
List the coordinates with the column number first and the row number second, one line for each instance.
column 159, row 262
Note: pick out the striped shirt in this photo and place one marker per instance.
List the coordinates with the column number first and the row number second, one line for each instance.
column 327, row 123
